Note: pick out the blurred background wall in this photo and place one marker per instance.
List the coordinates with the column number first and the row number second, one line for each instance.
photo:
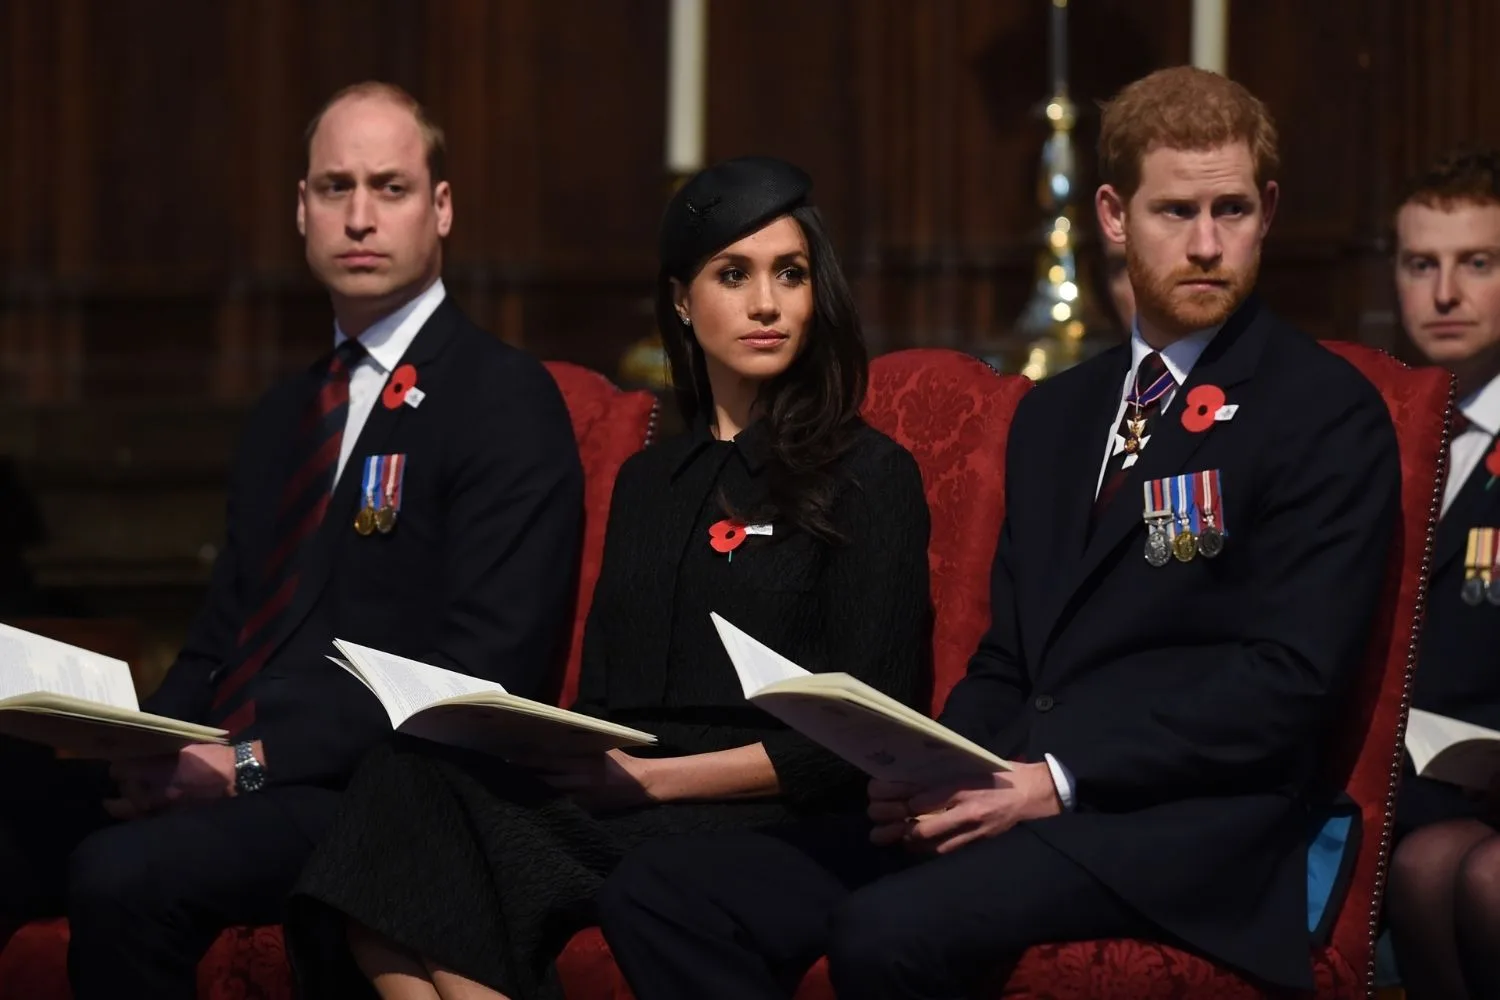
column 152, row 283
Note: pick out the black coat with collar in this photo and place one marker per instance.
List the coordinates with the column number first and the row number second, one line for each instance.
column 477, row 575
column 651, row 655
column 1191, row 702
column 1456, row 673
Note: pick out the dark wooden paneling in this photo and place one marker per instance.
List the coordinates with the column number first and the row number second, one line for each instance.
column 147, row 188
column 151, row 275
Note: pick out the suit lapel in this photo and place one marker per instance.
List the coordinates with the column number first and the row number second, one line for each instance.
column 1229, row 360
column 381, row 424
column 1474, row 506
column 1077, row 482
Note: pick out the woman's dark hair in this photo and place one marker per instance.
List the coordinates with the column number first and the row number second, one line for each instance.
column 811, row 410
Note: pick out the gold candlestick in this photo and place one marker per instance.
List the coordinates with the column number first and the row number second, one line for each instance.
column 1060, row 325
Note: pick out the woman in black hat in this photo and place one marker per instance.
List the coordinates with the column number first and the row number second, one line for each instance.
column 451, row 873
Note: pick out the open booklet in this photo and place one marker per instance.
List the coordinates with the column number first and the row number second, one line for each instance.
column 1449, row 750
column 448, row 707
column 871, row 730
column 81, row 703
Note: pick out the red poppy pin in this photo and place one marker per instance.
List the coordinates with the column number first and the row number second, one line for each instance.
column 1492, row 463
column 1202, row 407
column 402, row 381
column 726, row 536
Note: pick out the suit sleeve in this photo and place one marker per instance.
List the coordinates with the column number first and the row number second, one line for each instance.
column 1318, row 555
column 514, row 528
column 996, row 684
column 879, row 615
column 513, row 490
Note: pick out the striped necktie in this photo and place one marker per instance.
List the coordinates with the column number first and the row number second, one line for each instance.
column 1143, row 404
column 303, row 502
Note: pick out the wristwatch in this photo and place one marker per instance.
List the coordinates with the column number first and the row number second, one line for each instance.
column 249, row 773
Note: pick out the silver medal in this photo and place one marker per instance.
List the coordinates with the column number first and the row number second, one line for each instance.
column 1210, row 542
column 1473, row 591
column 1158, row 546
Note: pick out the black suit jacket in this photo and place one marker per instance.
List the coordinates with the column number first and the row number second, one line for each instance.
column 1456, row 673
column 477, row 576
column 1191, row 701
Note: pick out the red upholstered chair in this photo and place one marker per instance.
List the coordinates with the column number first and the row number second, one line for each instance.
column 610, row 426
column 953, row 413
column 249, row 963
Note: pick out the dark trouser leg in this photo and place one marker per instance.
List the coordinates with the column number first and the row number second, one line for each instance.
column 147, row 898
column 731, row 916
column 46, row 807
column 951, row 924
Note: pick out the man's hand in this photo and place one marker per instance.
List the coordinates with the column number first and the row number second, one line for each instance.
column 198, row 773
column 608, row 781
column 941, row 819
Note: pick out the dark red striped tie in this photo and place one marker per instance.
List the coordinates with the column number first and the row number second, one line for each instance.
column 1152, row 384
column 304, row 501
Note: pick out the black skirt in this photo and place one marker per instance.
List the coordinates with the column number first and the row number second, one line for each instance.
column 1422, row 802
column 479, row 867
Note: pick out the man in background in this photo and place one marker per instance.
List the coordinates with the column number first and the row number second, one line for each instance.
column 1443, row 903
column 417, row 490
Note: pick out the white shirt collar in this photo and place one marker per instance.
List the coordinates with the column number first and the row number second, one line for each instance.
column 1482, row 406
column 388, row 337
column 1179, row 356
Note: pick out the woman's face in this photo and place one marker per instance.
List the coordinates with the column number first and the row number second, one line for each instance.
column 751, row 305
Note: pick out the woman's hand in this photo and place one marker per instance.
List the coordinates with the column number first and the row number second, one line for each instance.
column 603, row 782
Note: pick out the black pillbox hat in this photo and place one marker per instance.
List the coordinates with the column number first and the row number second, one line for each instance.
column 723, row 203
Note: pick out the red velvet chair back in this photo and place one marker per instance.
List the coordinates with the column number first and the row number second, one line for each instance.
column 1371, row 743
column 952, row 412
column 610, row 425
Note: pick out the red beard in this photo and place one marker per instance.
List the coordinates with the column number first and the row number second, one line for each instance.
column 1180, row 311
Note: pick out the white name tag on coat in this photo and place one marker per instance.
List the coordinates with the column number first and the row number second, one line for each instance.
column 1227, row 411
column 757, row 529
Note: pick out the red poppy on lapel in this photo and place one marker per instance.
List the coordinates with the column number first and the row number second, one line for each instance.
column 402, row 381
column 1492, row 461
column 727, row 535
column 1202, row 403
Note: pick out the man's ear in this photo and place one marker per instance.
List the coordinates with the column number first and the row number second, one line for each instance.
column 302, row 208
column 442, row 200
column 1269, row 198
column 1109, row 205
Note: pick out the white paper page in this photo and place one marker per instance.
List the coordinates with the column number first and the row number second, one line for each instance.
column 31, row 663
column 1427, row 733
column 756, row 663
column 405, row 686
column 339, row 661
column 875, row 743
column 479, row 728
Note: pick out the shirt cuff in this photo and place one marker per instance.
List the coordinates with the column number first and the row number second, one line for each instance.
column 1063, row 779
